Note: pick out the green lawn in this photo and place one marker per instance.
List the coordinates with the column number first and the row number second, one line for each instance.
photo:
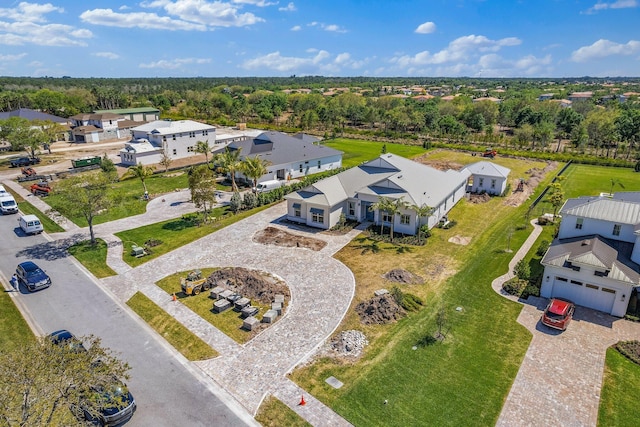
column 620, row 391
column 359, row 151
column 14, row 331
column 274, row 413
column 228, row 321
column 175, row 233
column 93, row 257
column 130, row 193
column 176, row 334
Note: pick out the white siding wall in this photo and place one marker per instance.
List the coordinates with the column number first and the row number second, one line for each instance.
column 635, row 255
column 500, row 184
column 594, row 226
column 326, row 163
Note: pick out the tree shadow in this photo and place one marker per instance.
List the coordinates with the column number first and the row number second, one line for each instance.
column 51, row 251
column 366, row 245
column 182, row 223
column 427, row 340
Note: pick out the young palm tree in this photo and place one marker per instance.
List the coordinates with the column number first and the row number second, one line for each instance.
column 391, row 207
column 229, row 161
column 254, row 168
column 202, row 147
column 421, row 211
column 142, row 172
column 382, row 205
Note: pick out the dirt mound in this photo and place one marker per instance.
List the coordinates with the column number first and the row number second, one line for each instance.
column 255, row 285
column 279, row 237
column 460, row 240
column 403, row 276
column 380, row 310
column 516, row 198
column 479, row 198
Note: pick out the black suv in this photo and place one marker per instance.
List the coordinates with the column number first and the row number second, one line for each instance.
column 24, row 161
column 32, row 276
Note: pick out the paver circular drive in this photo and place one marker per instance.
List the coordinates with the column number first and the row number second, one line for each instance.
column 321, row 291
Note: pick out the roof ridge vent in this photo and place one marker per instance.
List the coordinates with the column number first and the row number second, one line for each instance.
column 585, row 242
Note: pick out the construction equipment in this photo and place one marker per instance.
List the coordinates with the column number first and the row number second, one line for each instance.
column 489, row 152
column 193, row 284
column 40, row 189
column 520, row 185
column 28, row 171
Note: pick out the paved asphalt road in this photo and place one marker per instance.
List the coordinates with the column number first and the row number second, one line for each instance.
column 166, row 391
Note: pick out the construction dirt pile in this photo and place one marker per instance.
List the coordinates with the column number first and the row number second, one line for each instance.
column 479, row 198
column 380, row 310
column 403, row 276
column 278, row 237
column 347, row 344
column 516, row 198
column 255, row 285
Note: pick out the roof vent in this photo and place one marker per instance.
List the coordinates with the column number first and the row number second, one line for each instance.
column 586, row 242
column 399, row 176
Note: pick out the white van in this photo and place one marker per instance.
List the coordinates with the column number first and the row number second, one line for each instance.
column 265, row 186
column 8, row 204
column 30, row 224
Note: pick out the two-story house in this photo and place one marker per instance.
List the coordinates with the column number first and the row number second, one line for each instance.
column 595, row 260
column 99, row 127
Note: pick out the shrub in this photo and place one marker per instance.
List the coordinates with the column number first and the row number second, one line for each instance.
column 542, row 248
column 409, row 302
column 522, row 270
column 235, row 203
column 629, row 349
column 250, row 200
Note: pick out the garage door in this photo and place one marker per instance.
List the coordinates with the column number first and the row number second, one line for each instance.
column 585, row 294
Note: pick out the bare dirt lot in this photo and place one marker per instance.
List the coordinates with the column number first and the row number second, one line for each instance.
column 279, row 237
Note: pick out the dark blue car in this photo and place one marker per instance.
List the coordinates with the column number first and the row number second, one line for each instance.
column 32, row 276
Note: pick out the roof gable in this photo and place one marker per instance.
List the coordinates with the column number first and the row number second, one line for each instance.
column 488, row 169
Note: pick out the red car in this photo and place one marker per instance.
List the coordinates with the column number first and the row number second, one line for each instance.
column 558, row 313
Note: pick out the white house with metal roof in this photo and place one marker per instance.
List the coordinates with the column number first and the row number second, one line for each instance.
column 289, row 157
column 177, row 139
column 355, row 190
column 595, row 260
column 487, row 177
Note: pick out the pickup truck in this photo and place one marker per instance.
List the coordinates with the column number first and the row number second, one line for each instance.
column 24, row 161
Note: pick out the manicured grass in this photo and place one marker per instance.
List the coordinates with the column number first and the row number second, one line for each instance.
column 93, row 257
column 14, row 331
column 274, row 413
column 228, row 321
column 175, row 233
column 129, row 193
column 462, row 380
column 620, row 390
column 358, row 151
column 176, row 334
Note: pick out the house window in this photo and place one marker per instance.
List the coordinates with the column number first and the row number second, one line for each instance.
column 616, row 229
column 480, row 182
column 405, row 219
column 319, row 164
column 204, row 132
column 591, row 286
column 174, row 137
column 300, row 168
column 575, row 282
column 164, row 138
column 297, row 213
column 386, row 217
column 175, row 152
column 317, row 215
column 493, row 183
column 579, row 222
column 611, row 291
column 561, row 279
column 352, row 209
column 190, row 149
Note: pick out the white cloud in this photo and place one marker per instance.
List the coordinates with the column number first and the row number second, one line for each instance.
column 619, row 4
column 327, row 27
column 174, row 64
column 296, row 28
column 288, row 8
column 124, row 7
column 426, row 28
column 12, row 57
column 211, row 14
column 149, row 21
column 108, row 55
column 259, row 3
column 460, row 49
column 29, row 12
column 320, row 61
column 603, row 48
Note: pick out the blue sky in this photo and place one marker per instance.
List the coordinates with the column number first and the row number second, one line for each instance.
column 237, row 38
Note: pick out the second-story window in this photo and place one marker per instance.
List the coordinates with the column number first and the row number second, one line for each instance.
column 579, row 222
column 616, row 229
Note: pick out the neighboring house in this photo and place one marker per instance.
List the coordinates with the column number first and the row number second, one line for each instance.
column 177, row 139
column 580, row 96
column 487, row 177
column 100, row 127
column 595, row 259
column 289, row 157
column 352, row 193
column 546, row 96
column 137, row 114
column 34, row 115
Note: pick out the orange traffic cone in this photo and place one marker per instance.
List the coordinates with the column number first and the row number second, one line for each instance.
column 302, row 401
column 174, row 297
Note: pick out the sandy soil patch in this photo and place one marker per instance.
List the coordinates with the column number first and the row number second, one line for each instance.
column 460, row 240
column 516, row 198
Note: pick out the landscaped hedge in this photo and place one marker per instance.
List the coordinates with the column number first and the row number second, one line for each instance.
column 629, row 349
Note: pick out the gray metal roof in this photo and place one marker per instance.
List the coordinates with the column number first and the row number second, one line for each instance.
column 488, row 169
column 603, row 208
column 28, row 114
column 390, row 176
column 280, row 148
column 598, row 252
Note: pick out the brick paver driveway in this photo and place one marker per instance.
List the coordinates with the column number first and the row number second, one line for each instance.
column 559, row 381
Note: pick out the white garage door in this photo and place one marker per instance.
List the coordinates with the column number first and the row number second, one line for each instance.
column 585, row 294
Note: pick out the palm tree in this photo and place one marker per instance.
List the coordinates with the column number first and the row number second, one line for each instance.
column 140, row 171
column 202, row 147
column 254, row 168
column 229, row 161
column 421, row 211
column 381, row 206
column 391, row 207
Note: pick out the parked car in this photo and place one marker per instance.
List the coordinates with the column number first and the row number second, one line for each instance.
column 32, row 276
column 24, row 161
column 558, row 313
column 117, row 402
